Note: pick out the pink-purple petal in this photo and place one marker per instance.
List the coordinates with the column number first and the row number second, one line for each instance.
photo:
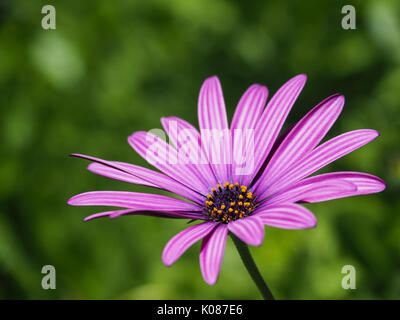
column 112, row 173
column 167, row 214
column 250, row 107
column 187, row 139
column 185, row 239
column 287, row 216
column 318, row 188
column 212, row 253
column 272, row 119
column 247, row 113
column 321, row 156
column 365, row 183
column 303, row 138
column 133, row 200
column 213, row 119
column 147, row 177
column 249, row 229
column 165, row 158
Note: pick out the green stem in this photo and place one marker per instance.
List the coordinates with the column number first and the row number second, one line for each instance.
column 252, row 268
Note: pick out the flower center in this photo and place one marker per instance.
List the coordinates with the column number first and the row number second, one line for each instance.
column 229, row 202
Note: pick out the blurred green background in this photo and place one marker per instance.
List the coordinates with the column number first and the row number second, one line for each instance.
column 114, row 67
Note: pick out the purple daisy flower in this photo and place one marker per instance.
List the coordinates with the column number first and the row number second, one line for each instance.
column 227, row 196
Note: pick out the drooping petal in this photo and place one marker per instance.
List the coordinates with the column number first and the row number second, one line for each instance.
column 287, row 216
column 116, row 174
column 321, row 156
column 212, row 252
column 317, row 188
column 187, row 141
column 183, row 240
column 249, row 229
column 365, row 183
column 303, row 138
column 272, row 119
column 214, row 128
column 247, row 113
column 133, row 200
column 140, row 175
column 165, row 158
column 175, row 215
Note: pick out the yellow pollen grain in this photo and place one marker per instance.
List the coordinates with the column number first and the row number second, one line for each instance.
column 219, row 211
column 209, row 196
column 249, row 195
column 236, row 184
column 231, row 186
column 215, row 209
column 213, row 189
column 223, row 207
column 232, row 204
column 230, row 210
column 244, row 188
column 236, row 212
column 240, row 203
column 240, row 197
column 246, row 204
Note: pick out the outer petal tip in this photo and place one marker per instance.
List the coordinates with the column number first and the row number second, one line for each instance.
column 212, row 78
column 72, row 201
column 377, row 134
column 381, row 185
column 166, row 260
column 302, row 77
column 211, row 281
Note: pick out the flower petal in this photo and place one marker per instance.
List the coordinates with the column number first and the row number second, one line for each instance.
column 248, row 229
column 165, row 158
column 365, row 183
column 183, row 240
column 318, row 188
column 304, row 137
column 246, row 115
column 140, row 175
column 116, row 213
column 214, row 128
column 187, row 140
column 133, row 200
column 116, row 174
column 321, row 156
column 212, row 252
column 272, row 119
column 250, row 107
column 287, row 216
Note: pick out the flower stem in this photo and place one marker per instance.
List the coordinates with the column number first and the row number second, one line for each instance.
column 251, row 267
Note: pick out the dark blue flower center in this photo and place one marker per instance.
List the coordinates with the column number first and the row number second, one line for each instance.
column 229, row 202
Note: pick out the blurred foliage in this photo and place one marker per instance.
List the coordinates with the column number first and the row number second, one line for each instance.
column 114, row 67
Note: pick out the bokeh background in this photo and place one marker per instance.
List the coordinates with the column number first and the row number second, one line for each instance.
column 114, row 67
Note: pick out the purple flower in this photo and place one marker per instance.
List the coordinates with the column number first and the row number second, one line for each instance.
column 226, row 195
